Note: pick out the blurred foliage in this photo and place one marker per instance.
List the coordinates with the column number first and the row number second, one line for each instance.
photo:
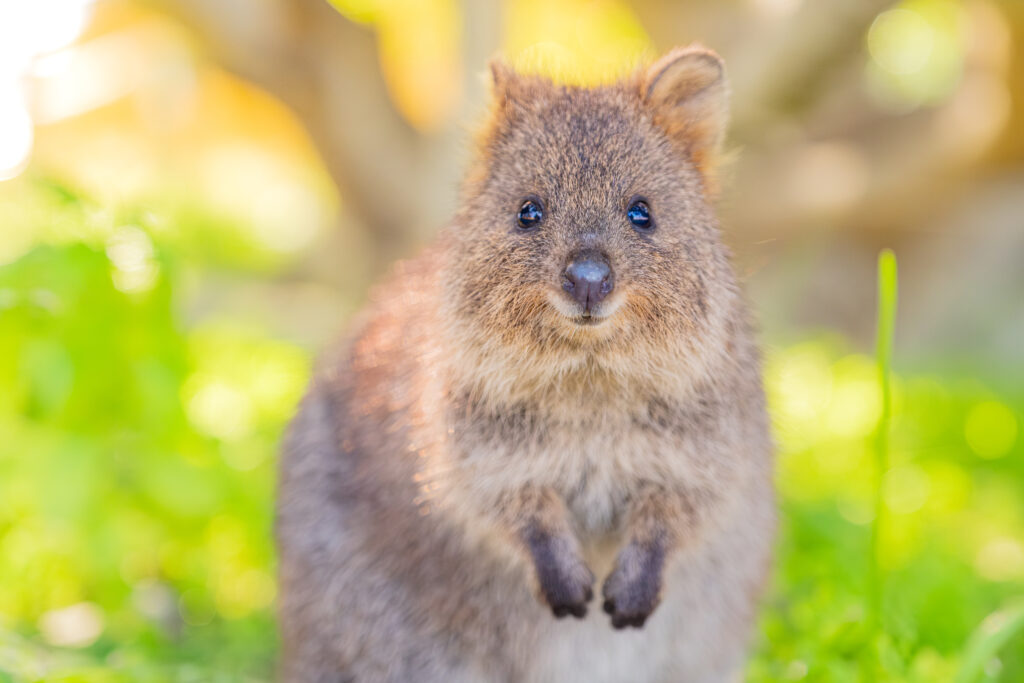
column 952, row 546
column 137, row 464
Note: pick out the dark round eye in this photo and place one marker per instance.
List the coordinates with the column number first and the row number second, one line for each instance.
column 639, row 214
column 530, row 214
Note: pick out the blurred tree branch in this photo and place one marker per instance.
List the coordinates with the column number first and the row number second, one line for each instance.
column 325, row 68
column 775, row 63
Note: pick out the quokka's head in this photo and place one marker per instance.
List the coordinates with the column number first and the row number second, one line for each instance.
column 585, row 220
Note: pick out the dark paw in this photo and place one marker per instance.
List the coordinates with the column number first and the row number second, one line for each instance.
column 621, row 618
column 632, row 590
column 568, row 590
column 565, row 582
column 560, row 607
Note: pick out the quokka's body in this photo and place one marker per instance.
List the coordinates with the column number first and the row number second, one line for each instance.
column 560, row 398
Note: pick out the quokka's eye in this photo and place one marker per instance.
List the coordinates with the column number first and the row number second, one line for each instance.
column 639, row 214
column 530, row 214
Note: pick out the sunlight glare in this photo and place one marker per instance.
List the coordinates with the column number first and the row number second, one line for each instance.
column 27, row 30
column 32, row 28
column 16, row 133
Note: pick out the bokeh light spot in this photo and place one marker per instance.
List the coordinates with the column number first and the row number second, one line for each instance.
column 804, row 382
column 917, row 53
column 131, row 254
column 905, row 489
column 856, row 403
column 217, row 408
column 901, row 41
column 78, row 625
column 1001, row 559
column 857, row 511
column 990, row 429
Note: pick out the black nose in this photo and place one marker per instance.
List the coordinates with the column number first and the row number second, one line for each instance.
column 588, row 278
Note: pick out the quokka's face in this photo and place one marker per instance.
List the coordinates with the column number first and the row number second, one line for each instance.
column 587, row 219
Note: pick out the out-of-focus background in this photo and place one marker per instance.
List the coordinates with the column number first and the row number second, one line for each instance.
column 195, row 195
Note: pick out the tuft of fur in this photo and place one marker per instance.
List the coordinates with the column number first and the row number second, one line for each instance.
column 473, row 465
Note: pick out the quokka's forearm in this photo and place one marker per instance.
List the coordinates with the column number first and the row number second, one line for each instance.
column 661, row 521
column 539, row 523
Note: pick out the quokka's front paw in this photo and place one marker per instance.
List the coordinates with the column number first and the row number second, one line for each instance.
column 568, row 590
column 565, row 582
column 632, row 590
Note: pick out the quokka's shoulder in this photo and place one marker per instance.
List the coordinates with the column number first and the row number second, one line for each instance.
column 393, row 331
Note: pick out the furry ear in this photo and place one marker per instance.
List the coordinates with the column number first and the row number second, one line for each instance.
column 506, row 90
column 511, row 90
column 507, row 85
column 688, row 93
column 502, row 76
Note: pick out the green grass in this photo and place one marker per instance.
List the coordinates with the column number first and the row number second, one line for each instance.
column 138, row 448
column 905, row 612
column 886, row 323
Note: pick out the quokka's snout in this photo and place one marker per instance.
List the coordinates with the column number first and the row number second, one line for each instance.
column 588, row 279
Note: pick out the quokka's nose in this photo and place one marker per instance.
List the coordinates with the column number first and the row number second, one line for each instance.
column 588, row 277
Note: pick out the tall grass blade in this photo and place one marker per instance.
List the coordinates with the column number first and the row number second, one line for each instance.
column 886, row 320
column 994, row 632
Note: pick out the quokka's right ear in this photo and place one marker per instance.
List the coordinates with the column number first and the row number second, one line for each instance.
column 510, row 90
column 506, row 85
column 502, row 75
column 689, row 95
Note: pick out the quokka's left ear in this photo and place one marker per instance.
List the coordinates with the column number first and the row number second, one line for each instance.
column 689, row 95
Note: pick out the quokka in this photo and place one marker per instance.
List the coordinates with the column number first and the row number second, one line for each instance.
column 560, row 400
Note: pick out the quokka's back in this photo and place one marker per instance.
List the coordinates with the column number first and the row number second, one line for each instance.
column 560, row 398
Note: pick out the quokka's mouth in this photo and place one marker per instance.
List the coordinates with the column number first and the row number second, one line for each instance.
column 572, row 312
column 587, row 320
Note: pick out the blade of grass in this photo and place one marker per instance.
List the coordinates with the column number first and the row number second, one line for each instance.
column 994, row 632
column 886, row 321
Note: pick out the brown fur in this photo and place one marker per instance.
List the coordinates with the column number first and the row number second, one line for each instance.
column 474, row 457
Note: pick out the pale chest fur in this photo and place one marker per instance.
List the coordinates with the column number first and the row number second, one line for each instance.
column 594, row 462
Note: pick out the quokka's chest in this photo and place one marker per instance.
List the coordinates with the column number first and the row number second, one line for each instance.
column 600, row 473
column 595, row 468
